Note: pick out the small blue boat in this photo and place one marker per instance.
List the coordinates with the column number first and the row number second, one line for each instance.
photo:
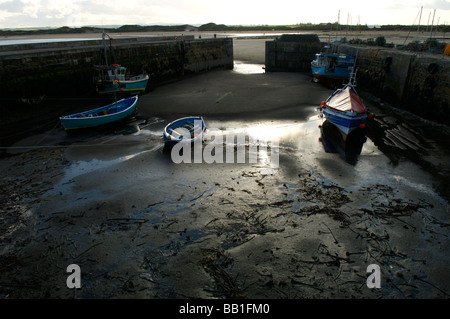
column 186, row 130
column 113, row 79
column 345, row 109
column 332, row 66
column 104, row 115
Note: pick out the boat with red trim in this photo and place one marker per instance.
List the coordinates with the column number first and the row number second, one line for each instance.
column 345, row 109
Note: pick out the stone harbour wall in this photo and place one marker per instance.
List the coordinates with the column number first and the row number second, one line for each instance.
column 66, row 68
column 290, row 56
column 427, row 92
column 416, row 82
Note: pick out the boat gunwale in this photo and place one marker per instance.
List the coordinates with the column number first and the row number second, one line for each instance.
column 72, row 116
column 169, row 138
column 142, row 77
column 351, row 113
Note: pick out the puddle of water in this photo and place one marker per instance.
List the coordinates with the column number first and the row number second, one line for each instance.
column 246, row 68
column 302, row 137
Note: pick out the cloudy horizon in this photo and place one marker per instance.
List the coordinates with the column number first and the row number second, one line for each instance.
column 76, row 13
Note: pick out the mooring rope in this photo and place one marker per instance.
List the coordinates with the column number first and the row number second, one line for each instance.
column 308, row 132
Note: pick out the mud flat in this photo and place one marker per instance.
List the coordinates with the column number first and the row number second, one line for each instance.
column 140, row 226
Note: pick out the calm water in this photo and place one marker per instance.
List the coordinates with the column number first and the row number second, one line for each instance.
column 26, row 40
column 14, row 40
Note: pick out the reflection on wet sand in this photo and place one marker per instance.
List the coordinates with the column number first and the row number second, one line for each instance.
column 349, row 147
column 246, row 68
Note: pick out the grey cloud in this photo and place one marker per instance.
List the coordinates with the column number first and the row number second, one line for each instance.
column 12, row 6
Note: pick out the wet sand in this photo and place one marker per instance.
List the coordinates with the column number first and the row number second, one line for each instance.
column 140, row 226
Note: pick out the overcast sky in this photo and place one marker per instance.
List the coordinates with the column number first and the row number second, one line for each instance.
column 57, row 13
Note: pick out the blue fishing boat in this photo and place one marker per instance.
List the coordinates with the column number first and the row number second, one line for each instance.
column 113, row 79
column 345, row 109
column 186, row 130
column 332, row 66
column 111, row 113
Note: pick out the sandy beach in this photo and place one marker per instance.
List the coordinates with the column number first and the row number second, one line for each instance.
column 140, row 226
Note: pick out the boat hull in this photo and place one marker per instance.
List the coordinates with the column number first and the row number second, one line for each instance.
column 186, row 130
column 101, row 116
column 349, row 147
column 332, row 66
column 346, row 122
column 129, row 86
column 320, row 73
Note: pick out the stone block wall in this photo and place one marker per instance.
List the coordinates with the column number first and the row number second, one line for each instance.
column 66, row 70
column 427, row 92
column 201, row 55
column 416, row 82
column 290, row 56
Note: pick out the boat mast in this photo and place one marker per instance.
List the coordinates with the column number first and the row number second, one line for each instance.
column 420, row 18
column 104, row 35
column 338, row 22
column 352, row 79
column 432, row 22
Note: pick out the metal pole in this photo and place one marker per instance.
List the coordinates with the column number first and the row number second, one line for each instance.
column 104, row 47
column 420, row 17
column 339, row 21
column 431, row 33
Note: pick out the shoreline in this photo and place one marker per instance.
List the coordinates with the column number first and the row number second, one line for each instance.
column 396, row 37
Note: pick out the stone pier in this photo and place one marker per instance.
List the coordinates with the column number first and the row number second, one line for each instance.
column 416, row 82
column 65, row 69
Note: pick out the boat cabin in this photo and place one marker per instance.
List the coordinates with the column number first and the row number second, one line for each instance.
column 110, row 73
column 332, row 60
